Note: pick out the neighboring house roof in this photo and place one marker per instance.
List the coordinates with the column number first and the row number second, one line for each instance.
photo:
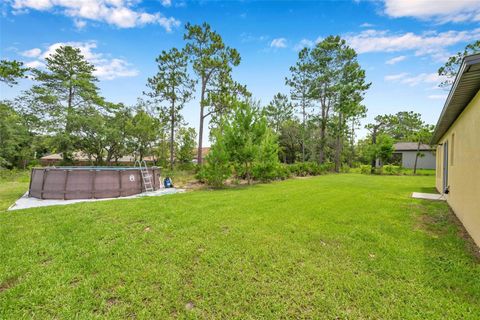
column 411, row 146
column 465, row 87
column 54, row 156
column 205, row 151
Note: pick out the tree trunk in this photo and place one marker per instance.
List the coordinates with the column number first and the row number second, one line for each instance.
column 416, row 158
column 68, row 128
column 321, row 155
column 323, row 129
column 303, row 131
column 352, row 145
column 69, row 109
column 200, row 130
column 338, row 144
column 374, row 142
column 172, row 132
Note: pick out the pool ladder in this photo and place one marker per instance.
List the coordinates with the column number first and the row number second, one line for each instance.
column 146, row 176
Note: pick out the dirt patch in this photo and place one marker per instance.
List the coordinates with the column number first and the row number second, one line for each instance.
column 9, row 283
column 194, row 185
column 46, row 261
column 189, row 306
column 112, row 301
column 303, row 177
column 225, row 229
column 74, row 282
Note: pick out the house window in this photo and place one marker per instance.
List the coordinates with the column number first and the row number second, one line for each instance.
column 452, row 149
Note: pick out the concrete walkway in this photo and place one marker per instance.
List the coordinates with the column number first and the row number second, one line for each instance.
column 26, row 202
column 428, row 196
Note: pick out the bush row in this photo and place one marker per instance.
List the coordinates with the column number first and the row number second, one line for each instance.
column 279, row 172
column 303, row 169
column 387, row 169
column 392, row 170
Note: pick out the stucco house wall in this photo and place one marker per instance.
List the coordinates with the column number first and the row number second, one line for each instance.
column 463, row 167
column 428, row 160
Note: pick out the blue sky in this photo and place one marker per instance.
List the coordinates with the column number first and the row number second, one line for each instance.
column 401, row 44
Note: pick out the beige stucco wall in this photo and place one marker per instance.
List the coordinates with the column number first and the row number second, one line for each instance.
column 464, row 172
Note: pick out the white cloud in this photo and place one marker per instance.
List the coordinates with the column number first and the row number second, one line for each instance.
column 422, row 78
column 367, row 25
column 394, row 77
column 32, row 53
column 106, row 68
column 431, row 43
column 120, row 13
column 248, row 37
column 114, row 68
column 304, row 43
column 168, row 23
column 34, row 64
column 395, row 60
column 33, row 4
column 307, row 43
column 166, row 3
column 438, row 96
column 79, row 24
column 279, row 43
column 439, row 10
column 415, row 80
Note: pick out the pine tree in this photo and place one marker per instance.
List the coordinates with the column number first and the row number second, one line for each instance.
column 173, row 86
column 211, row 59
column 67, row 85
column 217, row 168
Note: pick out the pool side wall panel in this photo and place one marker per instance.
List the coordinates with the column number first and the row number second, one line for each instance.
column 79, row 183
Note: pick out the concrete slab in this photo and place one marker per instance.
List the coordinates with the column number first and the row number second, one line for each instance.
column 26, row 202
column 428, row 196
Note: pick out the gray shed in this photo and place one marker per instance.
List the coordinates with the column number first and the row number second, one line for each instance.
column 404, row 155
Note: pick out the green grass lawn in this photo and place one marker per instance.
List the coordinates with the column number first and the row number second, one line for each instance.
column 331, row 247
column 13, row 184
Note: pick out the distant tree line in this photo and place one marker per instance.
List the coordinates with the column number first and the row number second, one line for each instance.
column 64, row 112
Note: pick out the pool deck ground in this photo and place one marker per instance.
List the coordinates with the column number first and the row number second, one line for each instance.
column 26, row 202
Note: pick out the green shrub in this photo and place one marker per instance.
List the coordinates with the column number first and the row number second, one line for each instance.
column 265, row 171
column 216, row 169
column 355, row 170
column 266, row 165
column 391, row 169
column 14, row 175
column 302, row 169
column 34, row 163
column 283, row 172
column 298, row 169
column 185, row 166
column 314, row 169
column 365, row 169
column 214, row 173
column 327, row 167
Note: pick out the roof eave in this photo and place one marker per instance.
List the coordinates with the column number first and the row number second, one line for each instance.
column 449, row 115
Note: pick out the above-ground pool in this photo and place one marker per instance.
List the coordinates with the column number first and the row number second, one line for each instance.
column 89, row 182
